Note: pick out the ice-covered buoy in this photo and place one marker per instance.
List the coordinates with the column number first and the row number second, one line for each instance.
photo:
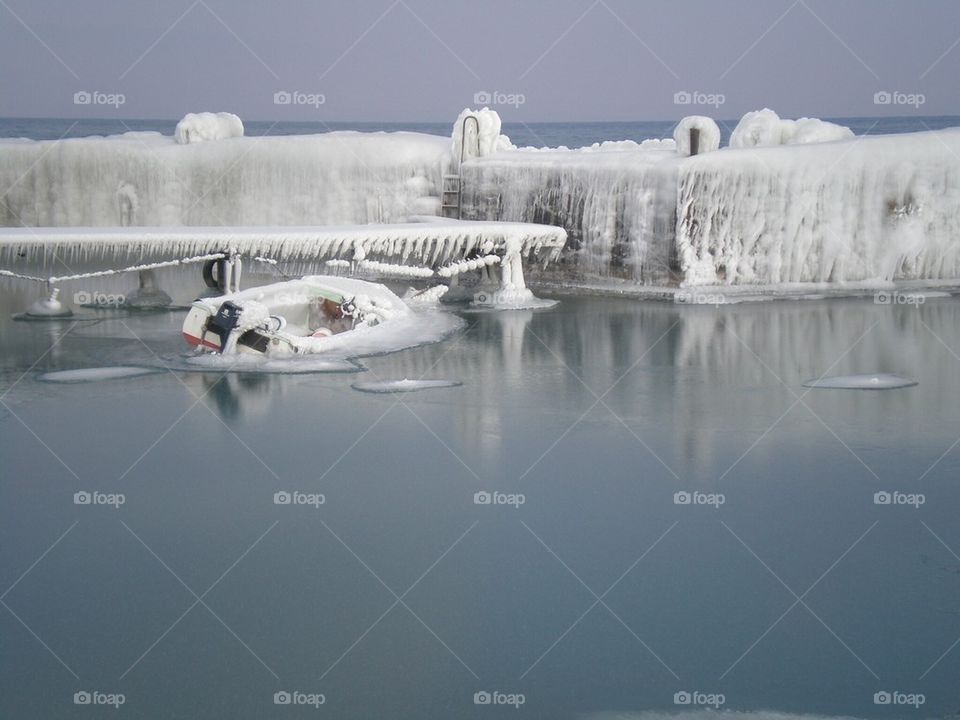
column 50, row 307
column 877, row 381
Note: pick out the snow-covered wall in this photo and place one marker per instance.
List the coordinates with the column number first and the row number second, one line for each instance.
column 616, row 201
column 150, row 179
column 877, row 208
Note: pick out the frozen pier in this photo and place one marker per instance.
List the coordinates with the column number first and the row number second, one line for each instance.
column 429, row 243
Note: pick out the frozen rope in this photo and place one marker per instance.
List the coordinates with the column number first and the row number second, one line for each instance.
column 54, row 279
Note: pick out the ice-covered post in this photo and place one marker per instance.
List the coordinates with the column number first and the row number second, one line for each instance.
column 511, row 267
column 696, row 134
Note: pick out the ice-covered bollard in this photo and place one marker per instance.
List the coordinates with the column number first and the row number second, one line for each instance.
column 200, row 127
column 764, row 128
column 706, row 131
column 476, row 133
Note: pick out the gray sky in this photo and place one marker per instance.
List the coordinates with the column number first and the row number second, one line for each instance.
column 424, row 60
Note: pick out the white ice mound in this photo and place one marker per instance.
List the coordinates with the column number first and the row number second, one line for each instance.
column 879, row 381
column 709, row 134
column 481, row 128
column 200, row 127
column 395, row 386
column 764, row 128
column 96, row 374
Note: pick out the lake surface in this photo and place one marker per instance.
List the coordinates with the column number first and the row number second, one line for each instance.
column 587, row 584
column 536, row 134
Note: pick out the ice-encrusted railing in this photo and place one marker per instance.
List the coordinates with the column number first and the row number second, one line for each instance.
column 869, row 210
column 434, row 244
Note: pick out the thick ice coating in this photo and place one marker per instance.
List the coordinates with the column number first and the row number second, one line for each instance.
column 204, row 126
column 764, row 128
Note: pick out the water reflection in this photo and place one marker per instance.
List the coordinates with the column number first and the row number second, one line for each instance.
column 237, row 395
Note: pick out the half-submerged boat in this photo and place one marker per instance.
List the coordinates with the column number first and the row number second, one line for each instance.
column 289, row 318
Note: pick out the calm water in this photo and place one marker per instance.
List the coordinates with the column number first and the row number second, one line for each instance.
column 400, row 597
column 536, row 134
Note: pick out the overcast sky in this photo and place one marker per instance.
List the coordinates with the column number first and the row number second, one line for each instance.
column 425, row 60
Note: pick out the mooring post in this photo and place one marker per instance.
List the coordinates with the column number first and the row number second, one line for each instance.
column 694, row 141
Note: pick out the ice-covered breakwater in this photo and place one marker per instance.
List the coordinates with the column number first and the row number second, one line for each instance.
column 794, row 202
column 617, row 202
column 151, row 179
column 791, row 201
column 874, row 209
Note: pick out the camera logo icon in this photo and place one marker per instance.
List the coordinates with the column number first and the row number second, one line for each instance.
column 682, row 498
column 82, row 698
column 882, row 698
column 682, row 698
column 282, row 698
column 82, row 97
column 682, row 98
column 282, row 97
column 82, row 498
column 282, row 498
column 482, row 97
column 882, row 498
column 482, row 498
column 482, row 698
column 882, row 97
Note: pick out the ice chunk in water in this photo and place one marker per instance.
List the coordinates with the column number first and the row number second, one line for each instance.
column 96, row 374
column 405, row 385
column 878, row 381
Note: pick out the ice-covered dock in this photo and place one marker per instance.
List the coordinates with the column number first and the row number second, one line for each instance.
column 431, row 242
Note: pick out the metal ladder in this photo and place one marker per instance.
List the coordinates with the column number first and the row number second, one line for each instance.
column 453, row 183
column 450, row 197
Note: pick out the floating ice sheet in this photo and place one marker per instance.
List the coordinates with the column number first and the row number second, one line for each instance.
column 97, row 374
column 405, row 385
column 878, row 381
